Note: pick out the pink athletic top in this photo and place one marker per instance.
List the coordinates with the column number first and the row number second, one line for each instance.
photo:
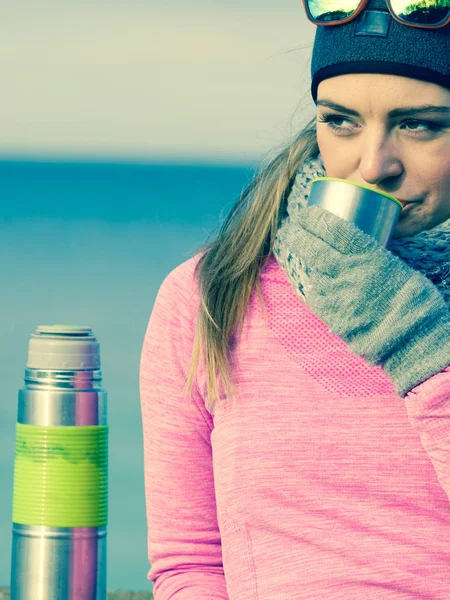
column 321, row 483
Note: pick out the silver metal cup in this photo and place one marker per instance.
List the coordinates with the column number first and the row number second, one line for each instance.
column 376, row 213
column 61, row 470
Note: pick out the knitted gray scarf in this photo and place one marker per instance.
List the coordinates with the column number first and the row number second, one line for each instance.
column 427, row 251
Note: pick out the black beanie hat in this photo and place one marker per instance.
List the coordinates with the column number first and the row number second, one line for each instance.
column 374, row 42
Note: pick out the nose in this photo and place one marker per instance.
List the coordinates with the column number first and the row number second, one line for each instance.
column 380, row 159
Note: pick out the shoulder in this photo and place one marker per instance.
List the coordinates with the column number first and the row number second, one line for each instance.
column 178, row 295
column 183, row 278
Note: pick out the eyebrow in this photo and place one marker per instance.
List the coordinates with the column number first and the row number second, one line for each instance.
column 397, row 112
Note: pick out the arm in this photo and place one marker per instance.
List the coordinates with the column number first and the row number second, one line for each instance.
column 184, row 544
column 385, row 311
column 428, row 409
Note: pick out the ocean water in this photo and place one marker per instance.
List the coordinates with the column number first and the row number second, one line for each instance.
column 90, row 244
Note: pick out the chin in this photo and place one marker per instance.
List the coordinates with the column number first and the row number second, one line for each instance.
column 405, row 229
column 414, row 224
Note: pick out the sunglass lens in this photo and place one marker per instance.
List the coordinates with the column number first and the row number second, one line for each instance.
column 421, row 12
column 326, row 11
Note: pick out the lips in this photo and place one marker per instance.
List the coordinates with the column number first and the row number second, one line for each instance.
column 406, row 202
column 407, row 206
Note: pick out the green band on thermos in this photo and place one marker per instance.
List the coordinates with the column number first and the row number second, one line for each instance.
column 61, row 476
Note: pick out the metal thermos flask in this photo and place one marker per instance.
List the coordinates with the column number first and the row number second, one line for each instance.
column 60, row 498
column 375, row 212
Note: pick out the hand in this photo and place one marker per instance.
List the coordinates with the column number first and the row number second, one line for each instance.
column 383, row 309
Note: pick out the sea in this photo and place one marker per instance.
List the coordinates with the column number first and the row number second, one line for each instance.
column 89, row 243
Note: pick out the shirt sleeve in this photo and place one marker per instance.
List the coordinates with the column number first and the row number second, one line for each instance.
column 184, row 544
column 428, row 408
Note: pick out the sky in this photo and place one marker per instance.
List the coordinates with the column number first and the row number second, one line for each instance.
column 203, row 80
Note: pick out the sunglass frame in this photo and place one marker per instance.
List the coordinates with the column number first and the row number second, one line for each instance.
column 361, row 7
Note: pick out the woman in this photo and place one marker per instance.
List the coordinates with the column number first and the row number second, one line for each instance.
column 295, row 374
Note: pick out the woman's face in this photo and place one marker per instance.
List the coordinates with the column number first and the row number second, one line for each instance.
column 368, row 140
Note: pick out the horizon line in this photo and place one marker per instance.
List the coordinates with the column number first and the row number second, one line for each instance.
column 219, row 161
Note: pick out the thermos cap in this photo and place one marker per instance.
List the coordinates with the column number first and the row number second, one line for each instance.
column 374, row 212
column 63, row 347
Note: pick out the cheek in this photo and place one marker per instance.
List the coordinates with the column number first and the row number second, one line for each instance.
column 444, row 196
column 445, row 178
column 438, row 177
column 323, row 141
column 432, row 178
column 327, row 151
column 336, row 157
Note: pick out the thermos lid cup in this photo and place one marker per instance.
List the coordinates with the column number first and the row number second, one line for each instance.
column 373, row 211
column 359, row 187
column 63, row 347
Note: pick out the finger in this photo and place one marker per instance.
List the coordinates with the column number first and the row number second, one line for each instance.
column 342, row 235
column 313, row 253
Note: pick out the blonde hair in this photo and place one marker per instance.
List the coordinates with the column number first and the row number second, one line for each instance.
column 229, row 266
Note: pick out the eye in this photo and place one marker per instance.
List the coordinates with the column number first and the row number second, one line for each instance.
column 413, row 126
column 416, row 127
column 334, row 122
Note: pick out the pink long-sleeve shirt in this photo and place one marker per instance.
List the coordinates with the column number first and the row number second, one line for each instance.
column 320, row 483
